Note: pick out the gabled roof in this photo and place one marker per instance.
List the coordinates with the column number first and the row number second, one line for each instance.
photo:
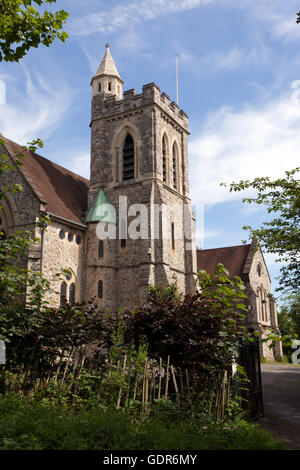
column 234, row 258
column 64, row 192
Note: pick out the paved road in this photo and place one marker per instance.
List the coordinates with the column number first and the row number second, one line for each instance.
column 281, row 392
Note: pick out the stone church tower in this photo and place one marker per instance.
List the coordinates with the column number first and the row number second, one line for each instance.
column 139, row 157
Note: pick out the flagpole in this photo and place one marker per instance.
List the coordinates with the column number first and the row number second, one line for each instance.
column 177, row 79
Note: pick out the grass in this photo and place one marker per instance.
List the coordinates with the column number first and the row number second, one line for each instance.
column 29, row 424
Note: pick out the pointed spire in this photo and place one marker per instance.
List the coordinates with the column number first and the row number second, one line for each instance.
column 107, row 80
column 107, row 66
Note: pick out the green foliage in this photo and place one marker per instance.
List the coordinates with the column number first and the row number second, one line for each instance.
column 22, row 26
column 31, row 424
column 280, row 235
column 164, row 294
column 289, row 322
column 203, row 329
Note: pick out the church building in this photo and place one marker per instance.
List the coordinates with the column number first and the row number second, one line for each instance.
column 139, row 156
column 139, row 167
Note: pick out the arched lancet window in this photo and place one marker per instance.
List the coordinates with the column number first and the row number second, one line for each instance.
column 173, row 235
column 174, row 166
column 100, row 290
column 128, row 158
column 109, row 86
column 72, row 293
column 266, row 306
column 101, row 249
column 63, row 294
column 259, row 269
column 262, row 304
column 258, row 305
column 164, row 158
column 99, row 86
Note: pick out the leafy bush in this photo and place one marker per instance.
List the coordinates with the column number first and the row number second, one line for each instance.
column 203, row 329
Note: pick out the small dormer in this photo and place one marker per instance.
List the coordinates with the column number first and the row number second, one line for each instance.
column 107, row 79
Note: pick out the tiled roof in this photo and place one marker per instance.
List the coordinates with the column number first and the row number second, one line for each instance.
column 64, row 192
column 232, row 257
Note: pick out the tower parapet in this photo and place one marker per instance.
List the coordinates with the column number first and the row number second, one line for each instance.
column 104, row 106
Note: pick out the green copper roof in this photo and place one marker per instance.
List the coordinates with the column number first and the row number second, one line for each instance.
column 101, row 210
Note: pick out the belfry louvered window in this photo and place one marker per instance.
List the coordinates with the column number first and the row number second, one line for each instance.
column 174, row 166
column 128, row 158
column 164, row 158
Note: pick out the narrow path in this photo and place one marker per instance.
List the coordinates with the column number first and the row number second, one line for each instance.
column 281, row 393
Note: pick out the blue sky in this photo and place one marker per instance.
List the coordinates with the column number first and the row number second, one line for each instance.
column 239, row 77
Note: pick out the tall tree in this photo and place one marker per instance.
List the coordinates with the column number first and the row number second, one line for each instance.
column 280, row 235
column 22, row 26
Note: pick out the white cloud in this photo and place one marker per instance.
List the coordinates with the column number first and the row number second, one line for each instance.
column 226, row 61
column 33, row 108
column 133, row 13
column 257, row 141
column 278, row 16
column 79, row 162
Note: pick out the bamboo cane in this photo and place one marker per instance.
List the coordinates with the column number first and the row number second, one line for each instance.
column 123, row 374
column 67, row 365
column 135, row 387
column 146, row 386
column 143, row 390
column 181, row 381
column 58, row 366
column 167, row 379
column 152, row 388
column 175, row 386
column 126, row 399
column 159, row 380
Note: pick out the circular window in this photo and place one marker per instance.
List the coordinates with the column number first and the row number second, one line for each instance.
column 78, row 239
column 70, row 237
column 259, row 269
column 68, row 277
column 62, row 234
